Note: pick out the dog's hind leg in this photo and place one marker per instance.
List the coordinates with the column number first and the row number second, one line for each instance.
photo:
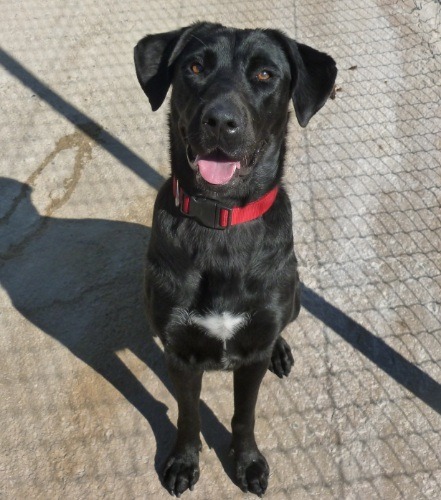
column 282, row 359
column 251, row 466
column 182, row 468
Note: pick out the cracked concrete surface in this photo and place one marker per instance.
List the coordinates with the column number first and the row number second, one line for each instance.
column 86, row 409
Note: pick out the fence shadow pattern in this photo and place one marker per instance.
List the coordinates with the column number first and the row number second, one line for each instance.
column 361, row 415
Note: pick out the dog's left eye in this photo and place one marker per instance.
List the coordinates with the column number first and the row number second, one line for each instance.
column 197, row 68
column 264, row 75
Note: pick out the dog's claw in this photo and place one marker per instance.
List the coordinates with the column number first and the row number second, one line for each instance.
column 252, row 473
column 181, row 473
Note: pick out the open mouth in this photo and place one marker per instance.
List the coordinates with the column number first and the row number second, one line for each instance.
column 217, row 168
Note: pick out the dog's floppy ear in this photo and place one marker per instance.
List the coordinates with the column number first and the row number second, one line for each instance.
column 313, row 74
column 315, row 81
column 154, row 58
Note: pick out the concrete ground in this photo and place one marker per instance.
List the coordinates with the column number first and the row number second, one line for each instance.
column 86, row 407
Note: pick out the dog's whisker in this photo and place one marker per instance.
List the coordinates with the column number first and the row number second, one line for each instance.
column 199, row 40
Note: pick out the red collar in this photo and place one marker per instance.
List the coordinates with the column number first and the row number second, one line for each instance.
column 210, row 213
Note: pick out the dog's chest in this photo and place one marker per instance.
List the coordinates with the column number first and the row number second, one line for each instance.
column 221, row 340
column 221, row 326
column 217, row 301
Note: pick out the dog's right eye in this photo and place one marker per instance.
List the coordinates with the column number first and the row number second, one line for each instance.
column 196, row 68
column 263, row 75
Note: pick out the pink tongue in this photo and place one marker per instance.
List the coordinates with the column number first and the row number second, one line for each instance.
column 217, row 172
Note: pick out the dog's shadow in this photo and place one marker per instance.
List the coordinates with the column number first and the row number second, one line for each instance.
column 81, row 282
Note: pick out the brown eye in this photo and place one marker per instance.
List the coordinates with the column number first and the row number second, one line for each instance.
column 263, row 75
column 197, row 68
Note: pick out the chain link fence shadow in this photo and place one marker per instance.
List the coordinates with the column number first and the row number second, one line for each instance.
column 360, row 415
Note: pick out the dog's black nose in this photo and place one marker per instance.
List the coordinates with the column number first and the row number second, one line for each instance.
column 221, row 118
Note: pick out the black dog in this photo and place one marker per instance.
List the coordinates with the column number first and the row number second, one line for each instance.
column 222, row 279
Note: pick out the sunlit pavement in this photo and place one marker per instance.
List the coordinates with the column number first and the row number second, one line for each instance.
column 86, row 408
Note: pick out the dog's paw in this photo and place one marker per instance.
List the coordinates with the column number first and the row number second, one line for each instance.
column 281, row 360
column 252, row 472
column 181, row 472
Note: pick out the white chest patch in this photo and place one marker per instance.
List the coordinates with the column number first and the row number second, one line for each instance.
column 223, row 326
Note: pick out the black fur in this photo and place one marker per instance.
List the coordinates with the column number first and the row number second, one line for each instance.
column 220, row 107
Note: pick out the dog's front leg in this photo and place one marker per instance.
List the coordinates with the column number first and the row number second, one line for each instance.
column 182, row 468
column 251, row 466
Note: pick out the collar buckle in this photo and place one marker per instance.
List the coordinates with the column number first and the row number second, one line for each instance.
column 208, row 212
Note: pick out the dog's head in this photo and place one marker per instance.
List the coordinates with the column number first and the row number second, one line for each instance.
column 230, row 100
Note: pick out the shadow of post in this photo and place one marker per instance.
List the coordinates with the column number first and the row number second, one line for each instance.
column 375, row 349
column 93, row 129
